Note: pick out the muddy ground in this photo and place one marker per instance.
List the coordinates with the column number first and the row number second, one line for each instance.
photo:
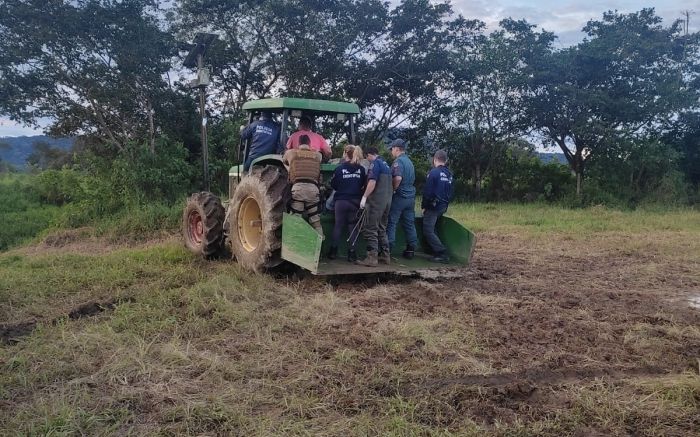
column 540, row 335
column 551, row 318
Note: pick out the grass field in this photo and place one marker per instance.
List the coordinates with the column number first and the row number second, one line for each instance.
column 568, row 322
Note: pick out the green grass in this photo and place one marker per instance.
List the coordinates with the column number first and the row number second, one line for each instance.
column 22, row 216
column 26, row 218
column 201, row 348
column 539, row 219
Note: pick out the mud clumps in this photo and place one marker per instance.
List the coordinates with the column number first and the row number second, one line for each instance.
column 13, row 333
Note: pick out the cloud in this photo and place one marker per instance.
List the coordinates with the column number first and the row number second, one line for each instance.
column 566, row 19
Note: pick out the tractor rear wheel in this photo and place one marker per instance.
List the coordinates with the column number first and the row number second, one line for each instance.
column 255, row 220
column 202, row 224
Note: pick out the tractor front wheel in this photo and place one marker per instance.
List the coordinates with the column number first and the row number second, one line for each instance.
column 255, row 224
column 202, row 224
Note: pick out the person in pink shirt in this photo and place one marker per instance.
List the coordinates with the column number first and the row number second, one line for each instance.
column 318, row 143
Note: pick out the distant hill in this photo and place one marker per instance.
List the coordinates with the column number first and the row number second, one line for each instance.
column 549, row 157
column 21, row 147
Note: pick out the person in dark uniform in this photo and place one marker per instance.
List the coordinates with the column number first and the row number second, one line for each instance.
column 263, row 136
column 403, row 201
column 436, row 198
column 377, row 200
column 348, row 182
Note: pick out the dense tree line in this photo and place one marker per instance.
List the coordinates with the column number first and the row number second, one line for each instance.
column 622, row 105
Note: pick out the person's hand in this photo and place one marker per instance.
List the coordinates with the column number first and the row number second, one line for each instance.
column 363, row 202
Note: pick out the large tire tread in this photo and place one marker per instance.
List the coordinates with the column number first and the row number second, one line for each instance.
column 209, row 207
column 268, row 185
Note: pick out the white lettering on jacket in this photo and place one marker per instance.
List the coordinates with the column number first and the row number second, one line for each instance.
column 355, row 175
column 263, row 129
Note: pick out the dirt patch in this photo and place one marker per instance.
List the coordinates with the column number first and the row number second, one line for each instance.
column 547, row 320
column 11, row 334
column 82, row 241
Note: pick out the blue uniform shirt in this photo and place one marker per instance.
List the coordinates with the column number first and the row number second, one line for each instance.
column 377, row 168
column 404, row 167
column 348, row 181
column 264, row 137
column 438, row 188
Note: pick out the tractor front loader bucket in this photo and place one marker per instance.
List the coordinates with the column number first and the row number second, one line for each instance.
column 301, row 245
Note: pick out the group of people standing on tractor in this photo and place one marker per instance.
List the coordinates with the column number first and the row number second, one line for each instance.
column 370, row 197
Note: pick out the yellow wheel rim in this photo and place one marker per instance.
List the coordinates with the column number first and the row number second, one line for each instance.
column 249, row 224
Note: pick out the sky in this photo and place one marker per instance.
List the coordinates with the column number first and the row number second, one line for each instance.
column 564, row 17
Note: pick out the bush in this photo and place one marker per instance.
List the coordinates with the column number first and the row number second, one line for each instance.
column 21, row 213
column 58, row 187
column 142, row 176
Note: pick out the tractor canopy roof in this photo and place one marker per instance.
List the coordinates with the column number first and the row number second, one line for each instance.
column 315, row 106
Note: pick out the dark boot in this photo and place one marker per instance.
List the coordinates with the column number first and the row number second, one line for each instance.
column 410, row 252
column 333, row 252
column 384, row 256
column 441, row 258
column 370, row 260
column 352, row 255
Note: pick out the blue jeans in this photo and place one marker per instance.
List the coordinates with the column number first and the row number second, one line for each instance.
column 430, row 218
column 402, row 209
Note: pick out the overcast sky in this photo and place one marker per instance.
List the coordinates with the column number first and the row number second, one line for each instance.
column 564, row 17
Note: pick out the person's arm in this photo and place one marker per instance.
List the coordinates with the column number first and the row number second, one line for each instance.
column 428, row 191
column 396, row 174
column 290, row 141
column 325, row 148
column 247, row 132
column 336, row 178
column 371, row 185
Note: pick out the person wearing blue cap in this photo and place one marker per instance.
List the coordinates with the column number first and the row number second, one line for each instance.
column 263, row 136
column 404, row 199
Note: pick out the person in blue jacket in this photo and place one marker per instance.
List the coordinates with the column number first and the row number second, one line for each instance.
column 436, row 197
column 263, row 136
column 403, row 202
column 348, row 181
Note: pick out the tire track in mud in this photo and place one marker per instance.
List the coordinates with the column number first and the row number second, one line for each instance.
column 535, row 378
column 13, row 333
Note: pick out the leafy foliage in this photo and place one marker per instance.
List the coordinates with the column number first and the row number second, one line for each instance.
column 621, row 105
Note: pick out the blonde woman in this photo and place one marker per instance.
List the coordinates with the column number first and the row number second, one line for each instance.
column 348, row 182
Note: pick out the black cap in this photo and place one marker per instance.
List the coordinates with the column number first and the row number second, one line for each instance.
column 372, row 151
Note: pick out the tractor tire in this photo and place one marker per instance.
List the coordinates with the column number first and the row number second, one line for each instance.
column 202, row 224
column 255, row 218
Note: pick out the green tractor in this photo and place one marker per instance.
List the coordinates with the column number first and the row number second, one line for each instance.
column 253, row 225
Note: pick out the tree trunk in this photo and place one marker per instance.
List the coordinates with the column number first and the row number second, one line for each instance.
column 579, row 182
column 151, row 127
column 578, row 168
column 477, row 180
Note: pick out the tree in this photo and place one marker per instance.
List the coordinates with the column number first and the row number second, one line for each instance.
column 621, row 80
column 486, row 109
column 279, row 47
column 403, row 78
column 44, row 156
column 96, row 68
